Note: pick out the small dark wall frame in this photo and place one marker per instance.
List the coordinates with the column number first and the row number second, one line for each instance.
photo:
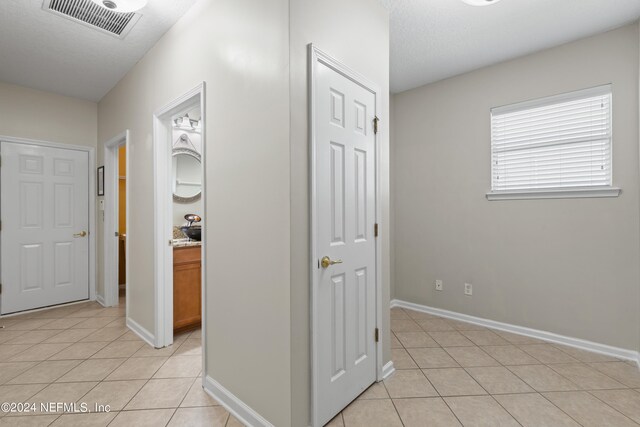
column 100, row 181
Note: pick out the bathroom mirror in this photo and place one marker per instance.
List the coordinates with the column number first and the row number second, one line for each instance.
column 187, row 175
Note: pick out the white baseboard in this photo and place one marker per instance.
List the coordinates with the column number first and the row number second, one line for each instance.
column 605, row 349
column 100, row 300
column 146, row 336
column 235, row 406
column 387, row 370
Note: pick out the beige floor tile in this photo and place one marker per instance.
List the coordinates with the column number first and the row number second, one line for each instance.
column 375, row 391
column 19, row 392
column 64, row 323
column 33, row 337
column 10, row 370
column 189, row 347
column 518, row 339
column 480, row 411
column 130, row 336
column 196, row 335
column 118, row 349
column 533, row 410
column 499, row 380
column 85, row 420
column 409, row 383
column 212, row 416
column 29, row 324
column 148, row 351
column 436, row 325
column 586, row 377
column 6, row 336
column 161, row 393
column 93, row 323
column 404, row 325
column 86, row 312
column 116, row 394
column 450, row 339
column 585, row 356
column 395, row 343
column 453, row 382
column 197, row 396
column 137, row 368
column 92, row 370
column 45, row 372
column 337, row 421
column 80, row 350
column 7, row 351
column 432, row 358
column 466, row 326
column 63, row 392
column 625, row 401
column 371, row 413
column 588, row 410
column 398, row 313
column 233, row 422
column 416, row 339
column 109, row 312
column 401, row 359
column 28, row 421
column 510, row 355
column 71, row 335
column 471, row 356
column 626, row 374
column 418, row 315
column 547, row 354
column 432, row 412
column 484, row 338
column 39, row 352
column 180, row 367
column 542, row 378
column 105, row 334
column 148, row 418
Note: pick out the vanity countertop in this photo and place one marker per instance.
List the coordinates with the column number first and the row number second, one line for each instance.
column 180, row 243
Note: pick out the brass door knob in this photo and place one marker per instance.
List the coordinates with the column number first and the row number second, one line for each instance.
column 326, row 262
column 80, row 234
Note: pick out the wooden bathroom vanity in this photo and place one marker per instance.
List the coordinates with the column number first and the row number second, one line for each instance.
column 187, row 274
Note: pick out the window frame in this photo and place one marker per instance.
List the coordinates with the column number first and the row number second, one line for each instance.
column 558, row 192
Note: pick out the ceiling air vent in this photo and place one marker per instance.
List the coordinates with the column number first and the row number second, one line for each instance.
column 90, row 14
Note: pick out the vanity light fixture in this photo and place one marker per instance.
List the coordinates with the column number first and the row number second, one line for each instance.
column 186, row 122
column 480, row 2
column 122, row 6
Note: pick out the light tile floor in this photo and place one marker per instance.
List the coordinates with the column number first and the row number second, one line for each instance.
column 448, row 373
column 451, row 373
column 85, row 353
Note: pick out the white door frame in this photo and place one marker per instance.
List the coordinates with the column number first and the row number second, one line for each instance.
column 111, row 215
column 92, row 200
column 163, row 218
column 316, row 56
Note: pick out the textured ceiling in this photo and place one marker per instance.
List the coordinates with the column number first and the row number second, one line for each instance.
column 44, row 51
column 435, row 39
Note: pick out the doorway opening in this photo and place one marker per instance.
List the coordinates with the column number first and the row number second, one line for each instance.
column 180, row 216
column 115, row 210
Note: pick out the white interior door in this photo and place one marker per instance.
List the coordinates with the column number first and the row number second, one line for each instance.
column 44, row 206
column 345, row 155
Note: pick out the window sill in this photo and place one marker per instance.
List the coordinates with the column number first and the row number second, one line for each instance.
column 555, row 194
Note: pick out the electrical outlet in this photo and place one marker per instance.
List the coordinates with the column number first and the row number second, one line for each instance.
column 468, row 289
column 438, row 285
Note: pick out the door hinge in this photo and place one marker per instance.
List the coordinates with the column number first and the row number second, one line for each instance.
column 117, row 234
column 377, row 334
column 170, row 242
column 375, row 230
column 375, row 124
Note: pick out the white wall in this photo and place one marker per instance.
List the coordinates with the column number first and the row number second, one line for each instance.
column 46, row 116
column 356, row 32
column 241, row 51
column 567, row 266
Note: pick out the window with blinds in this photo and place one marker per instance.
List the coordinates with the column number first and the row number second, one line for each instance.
column 553, row 144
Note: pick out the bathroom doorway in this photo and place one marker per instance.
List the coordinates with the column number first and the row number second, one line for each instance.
column 180, row 216
column 114, row 207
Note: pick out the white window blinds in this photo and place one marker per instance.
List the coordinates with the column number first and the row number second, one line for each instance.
column 561, row 142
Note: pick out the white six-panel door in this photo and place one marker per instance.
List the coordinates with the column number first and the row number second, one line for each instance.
column 44, row 207
column 345, row 153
